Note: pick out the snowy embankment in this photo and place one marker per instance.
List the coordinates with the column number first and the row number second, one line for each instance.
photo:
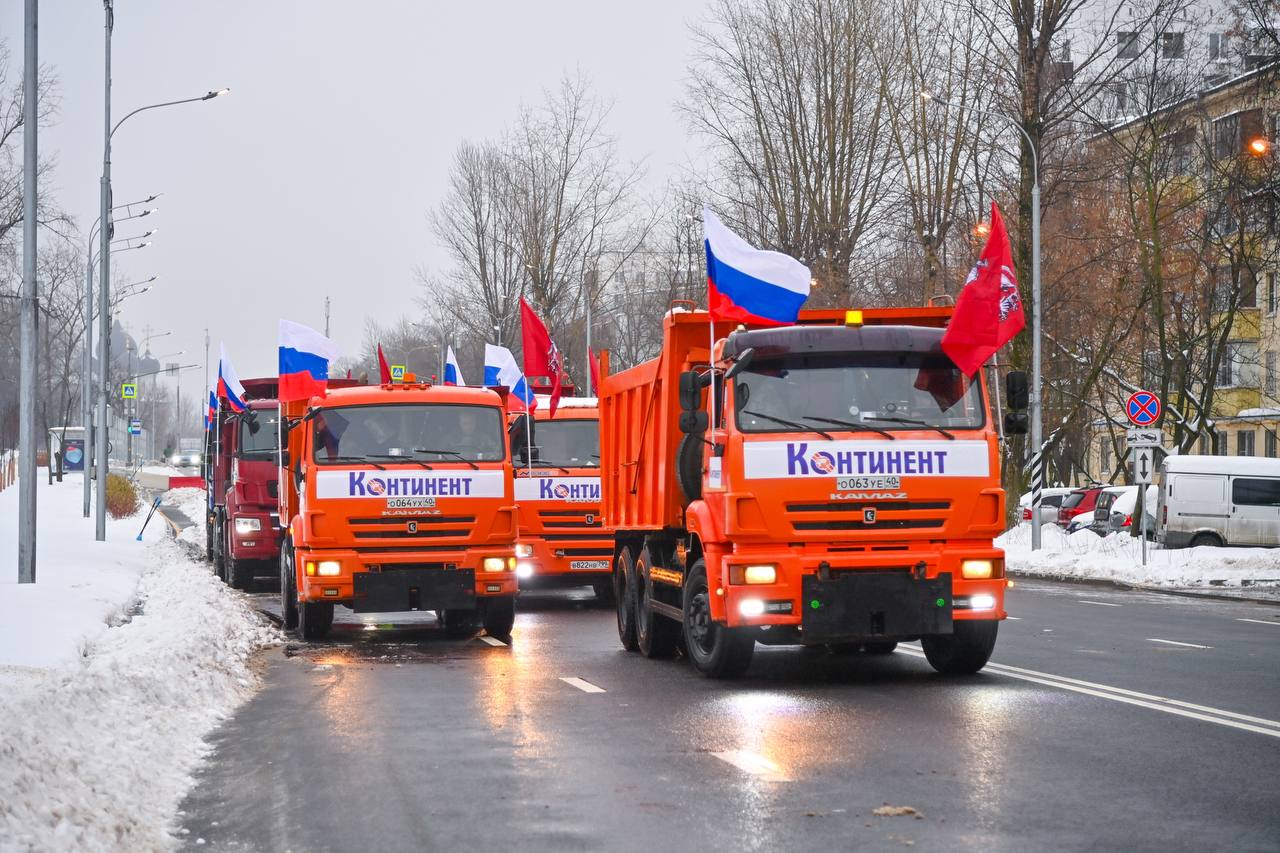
column 114, row 667
column 1086, row 556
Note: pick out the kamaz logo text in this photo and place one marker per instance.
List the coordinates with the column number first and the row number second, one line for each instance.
column 868, row 496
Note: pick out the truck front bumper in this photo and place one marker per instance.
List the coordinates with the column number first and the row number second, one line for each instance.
column 434, row 582
column 261, row 544
column 555, row 563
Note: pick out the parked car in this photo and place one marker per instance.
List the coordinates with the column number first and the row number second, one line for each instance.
column 1121, row 504
column 1080, row 501
column 1219, row 500
column 1050, row 501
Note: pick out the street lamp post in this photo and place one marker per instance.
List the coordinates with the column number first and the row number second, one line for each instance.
column 104, row 275
column 1037, row 419
column 30, row 305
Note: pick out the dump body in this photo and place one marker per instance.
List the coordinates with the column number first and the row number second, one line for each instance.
column 858, row 516
column 398, row 497
column 562, row 540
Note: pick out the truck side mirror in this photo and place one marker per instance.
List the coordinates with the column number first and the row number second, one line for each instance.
column 251, row 418
column 741, row 363
column 1016, row 389
column 691, row 386
column 1016, row 423
column 694, row 423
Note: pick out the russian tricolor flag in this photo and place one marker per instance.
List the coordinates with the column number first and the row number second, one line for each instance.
column 304, row 361
column 751, row 285
column 229, row 387
column 212, row 412
column 452, row 373
column 500, row 368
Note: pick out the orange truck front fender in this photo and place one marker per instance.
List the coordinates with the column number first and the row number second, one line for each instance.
column 702, row 525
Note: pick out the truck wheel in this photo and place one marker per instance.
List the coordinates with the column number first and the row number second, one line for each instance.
column 603, row 588
column 656, row 635
column 1210, row 540
column 500, row 616
column 219, row 552
column 884, row 647
column 239, row 573
column 459, row 623
column 288, row 588
column 964, row 652
column 208, row 538
column 624, row 597
column 315, row 618
column 716, row 651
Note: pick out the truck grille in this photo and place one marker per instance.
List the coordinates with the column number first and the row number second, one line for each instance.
column 396, row 528
column 569, row 519
column 890, row 515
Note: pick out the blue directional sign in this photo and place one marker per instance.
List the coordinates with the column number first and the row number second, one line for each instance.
column 1143, row 408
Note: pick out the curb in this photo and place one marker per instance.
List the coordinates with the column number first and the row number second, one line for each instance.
column 1183, row 592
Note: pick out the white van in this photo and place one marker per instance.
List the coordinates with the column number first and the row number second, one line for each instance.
column 1219, row 500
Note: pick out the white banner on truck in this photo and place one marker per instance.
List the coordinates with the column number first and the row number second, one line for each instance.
column 766, row 460
column 573, row 489
column 409, row 484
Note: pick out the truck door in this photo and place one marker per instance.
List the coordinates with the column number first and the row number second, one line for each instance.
column 1255, row 511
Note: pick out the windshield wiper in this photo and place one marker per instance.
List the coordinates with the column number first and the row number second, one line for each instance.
column 455, row 454
column 852, row 425
column 400, row 458
column 915, row 422
column 792, row 424
column 356, row 459
column 539, row 464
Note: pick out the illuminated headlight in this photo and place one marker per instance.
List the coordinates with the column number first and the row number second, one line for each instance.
column 974, row 569
column 751, row 607
column 524, row 570
column 982, row 602
column 753, row 574
column 494, row 564
column 328, row 568
column 245, row 526
column 195, row 460
column 174, row 460
column 523, row 550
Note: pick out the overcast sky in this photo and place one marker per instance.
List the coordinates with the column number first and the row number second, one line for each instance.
column 315, row 175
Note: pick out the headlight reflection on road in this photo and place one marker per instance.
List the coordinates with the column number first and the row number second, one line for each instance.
column 984, row 715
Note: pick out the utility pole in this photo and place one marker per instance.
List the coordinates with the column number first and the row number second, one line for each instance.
column 326, row 316
column 591, row 290
column 104, row 284
column 30, row 306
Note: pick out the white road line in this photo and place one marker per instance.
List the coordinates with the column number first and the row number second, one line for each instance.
column 584, row 686
column 1176, row 643
column 753, row 763
column 493, row 641
column 1098, row 603
column 1244, row 722
column 1014, row 618
column 1259, row 622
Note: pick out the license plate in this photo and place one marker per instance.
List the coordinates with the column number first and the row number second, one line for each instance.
column 587, row 565
column 411, row 503
column 846, row 484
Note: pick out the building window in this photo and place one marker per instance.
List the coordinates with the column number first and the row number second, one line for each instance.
column 1244, row 442
column 1226, row 136
column 1104, row 454
column 1203, row 448
column 1218, row 46
column 1172, row 45
column 1127, row 45
column 1220, row 444
column 1229, row 366
column 1271, row 293
column 1271, row 443
column 1270, row 378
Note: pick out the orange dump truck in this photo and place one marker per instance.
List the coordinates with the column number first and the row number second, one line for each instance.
column 837, row 483
column 561, row 541
column 398, row 498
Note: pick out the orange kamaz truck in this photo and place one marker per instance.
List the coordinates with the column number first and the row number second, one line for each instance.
column 398, row 498
column 834, row 483
column 562, row 542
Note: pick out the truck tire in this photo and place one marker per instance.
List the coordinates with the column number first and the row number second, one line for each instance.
column 315, row 618
column 459, row 623
column 965, row 651
column 219, row 551
column 208, row 538
column 624, row 597
column 288, row 588
column 1211, row 540
column 716, row 651
column 689, row 466
column 500, row 616
column 239, row 572
column 656, row 635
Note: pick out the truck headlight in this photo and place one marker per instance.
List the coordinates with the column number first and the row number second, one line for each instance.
column 751, row 607
column 524, row 570
column 524, row 550
column 495, row 564
column 761, row 574
column 982, row 602
column 975, row 569
column 245, row 526
column 328, row 568
column 195, row 460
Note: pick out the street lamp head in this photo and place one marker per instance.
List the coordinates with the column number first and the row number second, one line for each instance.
column 926, row 95
column 1259, row 146
column 148, row 212
column 216, row 94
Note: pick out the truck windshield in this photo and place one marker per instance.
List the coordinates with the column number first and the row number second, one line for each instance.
column 262, row 444
column 568, row 443
column 409, row 432
column 876, row 392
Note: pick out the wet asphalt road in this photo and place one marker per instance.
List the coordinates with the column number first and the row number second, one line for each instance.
column 390, row 739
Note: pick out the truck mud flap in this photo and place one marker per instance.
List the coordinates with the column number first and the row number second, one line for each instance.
column 875, row 605
column 400, row 590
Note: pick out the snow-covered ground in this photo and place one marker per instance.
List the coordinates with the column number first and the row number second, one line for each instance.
column 192, row 503
column 114, row 667
column 1086, row 556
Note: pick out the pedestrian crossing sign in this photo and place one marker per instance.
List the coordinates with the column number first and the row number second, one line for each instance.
column 129, row 391
column 397, row 373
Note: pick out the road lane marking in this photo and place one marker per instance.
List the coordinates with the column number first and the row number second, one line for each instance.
column 1098, row 603
column 753, row 763
column 493, row 641
column 1205, row 713
column 1259, row 622
column 1014, row 618
column 584, row 686
column 1176, row 643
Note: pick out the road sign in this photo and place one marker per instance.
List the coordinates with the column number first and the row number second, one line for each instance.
column 129, row 390
column 1143, row 408
column 1143, row 462
column 397, row 373
column 135, row 426
column 1142, row 437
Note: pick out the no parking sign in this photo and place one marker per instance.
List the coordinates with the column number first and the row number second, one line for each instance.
column 1143, row 408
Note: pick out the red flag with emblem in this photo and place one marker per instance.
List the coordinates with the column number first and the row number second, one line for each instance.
column 541, row 357
column 989, row 311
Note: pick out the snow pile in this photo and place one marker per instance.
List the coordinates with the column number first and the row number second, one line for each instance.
column 1086, row 556
column 192, row 503
column 98, row 747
